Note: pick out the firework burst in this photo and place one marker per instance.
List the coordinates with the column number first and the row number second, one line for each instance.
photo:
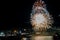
column 40, row 17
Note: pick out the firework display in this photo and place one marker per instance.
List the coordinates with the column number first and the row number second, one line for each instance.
column 40, row 17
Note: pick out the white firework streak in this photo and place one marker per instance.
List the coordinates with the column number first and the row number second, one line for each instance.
column 41, row 21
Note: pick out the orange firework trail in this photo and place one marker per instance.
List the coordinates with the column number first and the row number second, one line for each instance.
column 40, row 17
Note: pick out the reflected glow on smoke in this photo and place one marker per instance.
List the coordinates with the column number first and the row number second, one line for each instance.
column 42, row 38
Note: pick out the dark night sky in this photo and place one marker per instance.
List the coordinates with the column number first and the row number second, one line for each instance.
column 15, row 15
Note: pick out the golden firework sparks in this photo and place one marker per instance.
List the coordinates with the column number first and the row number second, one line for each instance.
column 40, row 17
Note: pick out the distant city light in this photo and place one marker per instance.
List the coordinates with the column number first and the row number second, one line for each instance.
column 20, row 32
column 59, row 15
column 2, row 34
column 24, row 38
column 24, row 29
column 15, row 30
